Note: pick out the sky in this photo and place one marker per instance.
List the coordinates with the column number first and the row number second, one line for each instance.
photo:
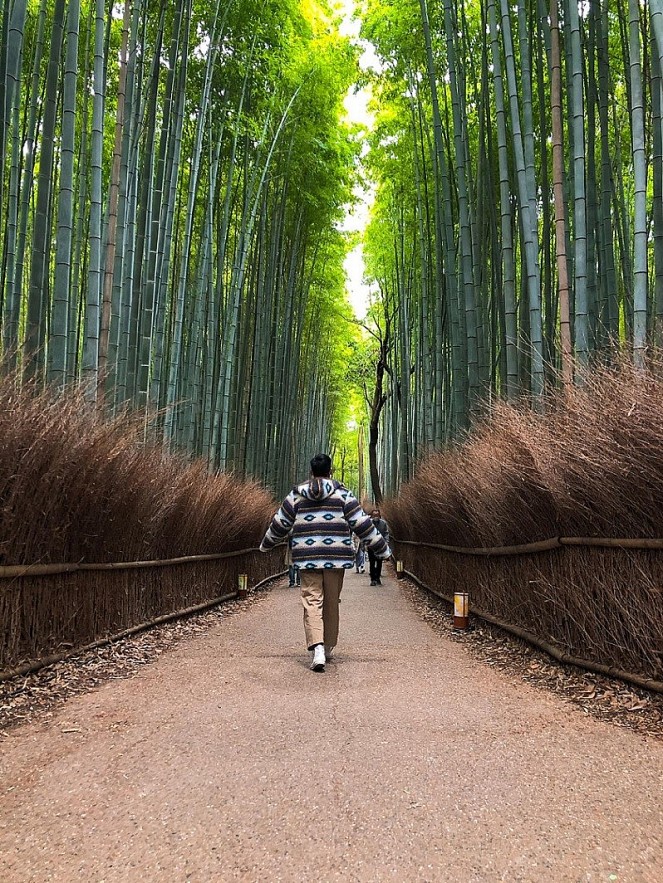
column 356, row 106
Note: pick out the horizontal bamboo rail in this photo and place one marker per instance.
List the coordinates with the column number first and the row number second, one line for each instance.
column 608, row 543
column 12, row 571
column 543, row 545
column 31, row 667
column 556, row 653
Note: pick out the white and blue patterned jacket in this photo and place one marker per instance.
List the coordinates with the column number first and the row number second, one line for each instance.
column 319, row 516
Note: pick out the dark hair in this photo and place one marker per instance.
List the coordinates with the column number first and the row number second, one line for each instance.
column 321, row 465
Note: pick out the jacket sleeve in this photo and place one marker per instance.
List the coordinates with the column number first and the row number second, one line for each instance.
column 362, row 526
column 281, row 525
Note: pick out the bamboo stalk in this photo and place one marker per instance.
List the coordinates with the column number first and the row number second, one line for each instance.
column 558, row 189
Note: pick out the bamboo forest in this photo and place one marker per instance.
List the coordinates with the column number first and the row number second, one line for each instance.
column 174, row 179
column 310, row 301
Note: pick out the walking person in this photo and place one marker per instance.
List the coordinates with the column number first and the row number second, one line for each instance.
column 375, row 562
column 318, row 518
column 360, row 554
column 293, row 572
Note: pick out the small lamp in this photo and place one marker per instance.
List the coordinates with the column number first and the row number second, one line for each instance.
column 461, row 610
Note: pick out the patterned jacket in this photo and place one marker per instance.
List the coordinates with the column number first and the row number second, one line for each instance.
column 319, row 516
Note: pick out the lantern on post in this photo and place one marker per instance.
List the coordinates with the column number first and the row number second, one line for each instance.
column 400, row 573
column 461, row 610
column 242, row 586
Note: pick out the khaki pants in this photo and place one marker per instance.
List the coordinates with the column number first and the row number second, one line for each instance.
column 321, row 595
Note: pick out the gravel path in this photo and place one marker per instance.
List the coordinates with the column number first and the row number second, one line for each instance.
column 227, row 759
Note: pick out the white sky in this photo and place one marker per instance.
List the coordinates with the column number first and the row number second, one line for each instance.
column 356, row 106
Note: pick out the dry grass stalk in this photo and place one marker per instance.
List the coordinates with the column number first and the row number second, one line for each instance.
column 75, row 487
column 592, row 466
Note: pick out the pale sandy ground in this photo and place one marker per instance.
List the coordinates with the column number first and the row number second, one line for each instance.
column 408, row 760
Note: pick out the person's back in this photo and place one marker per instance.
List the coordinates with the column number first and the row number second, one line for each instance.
column 325, row 513
column 318, row 517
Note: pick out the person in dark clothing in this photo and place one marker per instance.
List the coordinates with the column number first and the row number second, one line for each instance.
column 293, row 573
column 375, row 563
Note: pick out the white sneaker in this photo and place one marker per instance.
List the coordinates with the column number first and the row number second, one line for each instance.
column 328, row 651
column 319, row 659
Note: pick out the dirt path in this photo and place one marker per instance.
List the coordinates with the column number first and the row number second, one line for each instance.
column 407, row 760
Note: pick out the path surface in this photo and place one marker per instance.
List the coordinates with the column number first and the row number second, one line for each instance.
column 408, row 760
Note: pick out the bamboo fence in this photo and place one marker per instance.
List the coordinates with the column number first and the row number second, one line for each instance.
column 48, row 611
column 594, row 602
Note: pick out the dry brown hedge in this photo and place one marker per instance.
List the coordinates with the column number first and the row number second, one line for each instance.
column 44, row 616
column 76, row 487
column 592, row 466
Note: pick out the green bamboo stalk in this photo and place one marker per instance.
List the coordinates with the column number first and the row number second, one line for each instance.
column 445, row 272
column 528, row 116
column 93, row 297
column 5, row 111
column 527, row 223
column 75, row 321
column 640, row 188
column 113, row 198
column 123, row 263
column 142, row 223
column 12, row 33
column 424, row 372
column 10, row 305
column 610, row 306
column 467, row 275
column 35, row 335
column 558, row 189
column 164, row 256
column 223, row 406
column 507, row 248
column 59, row 336
column 657, row 174
column 194, row 181
column 577, row 110
column 156, row 226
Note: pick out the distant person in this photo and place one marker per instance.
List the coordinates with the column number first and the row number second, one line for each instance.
column 318, row 517
column 293, row 572
column 360, row 554
column 375, row 562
